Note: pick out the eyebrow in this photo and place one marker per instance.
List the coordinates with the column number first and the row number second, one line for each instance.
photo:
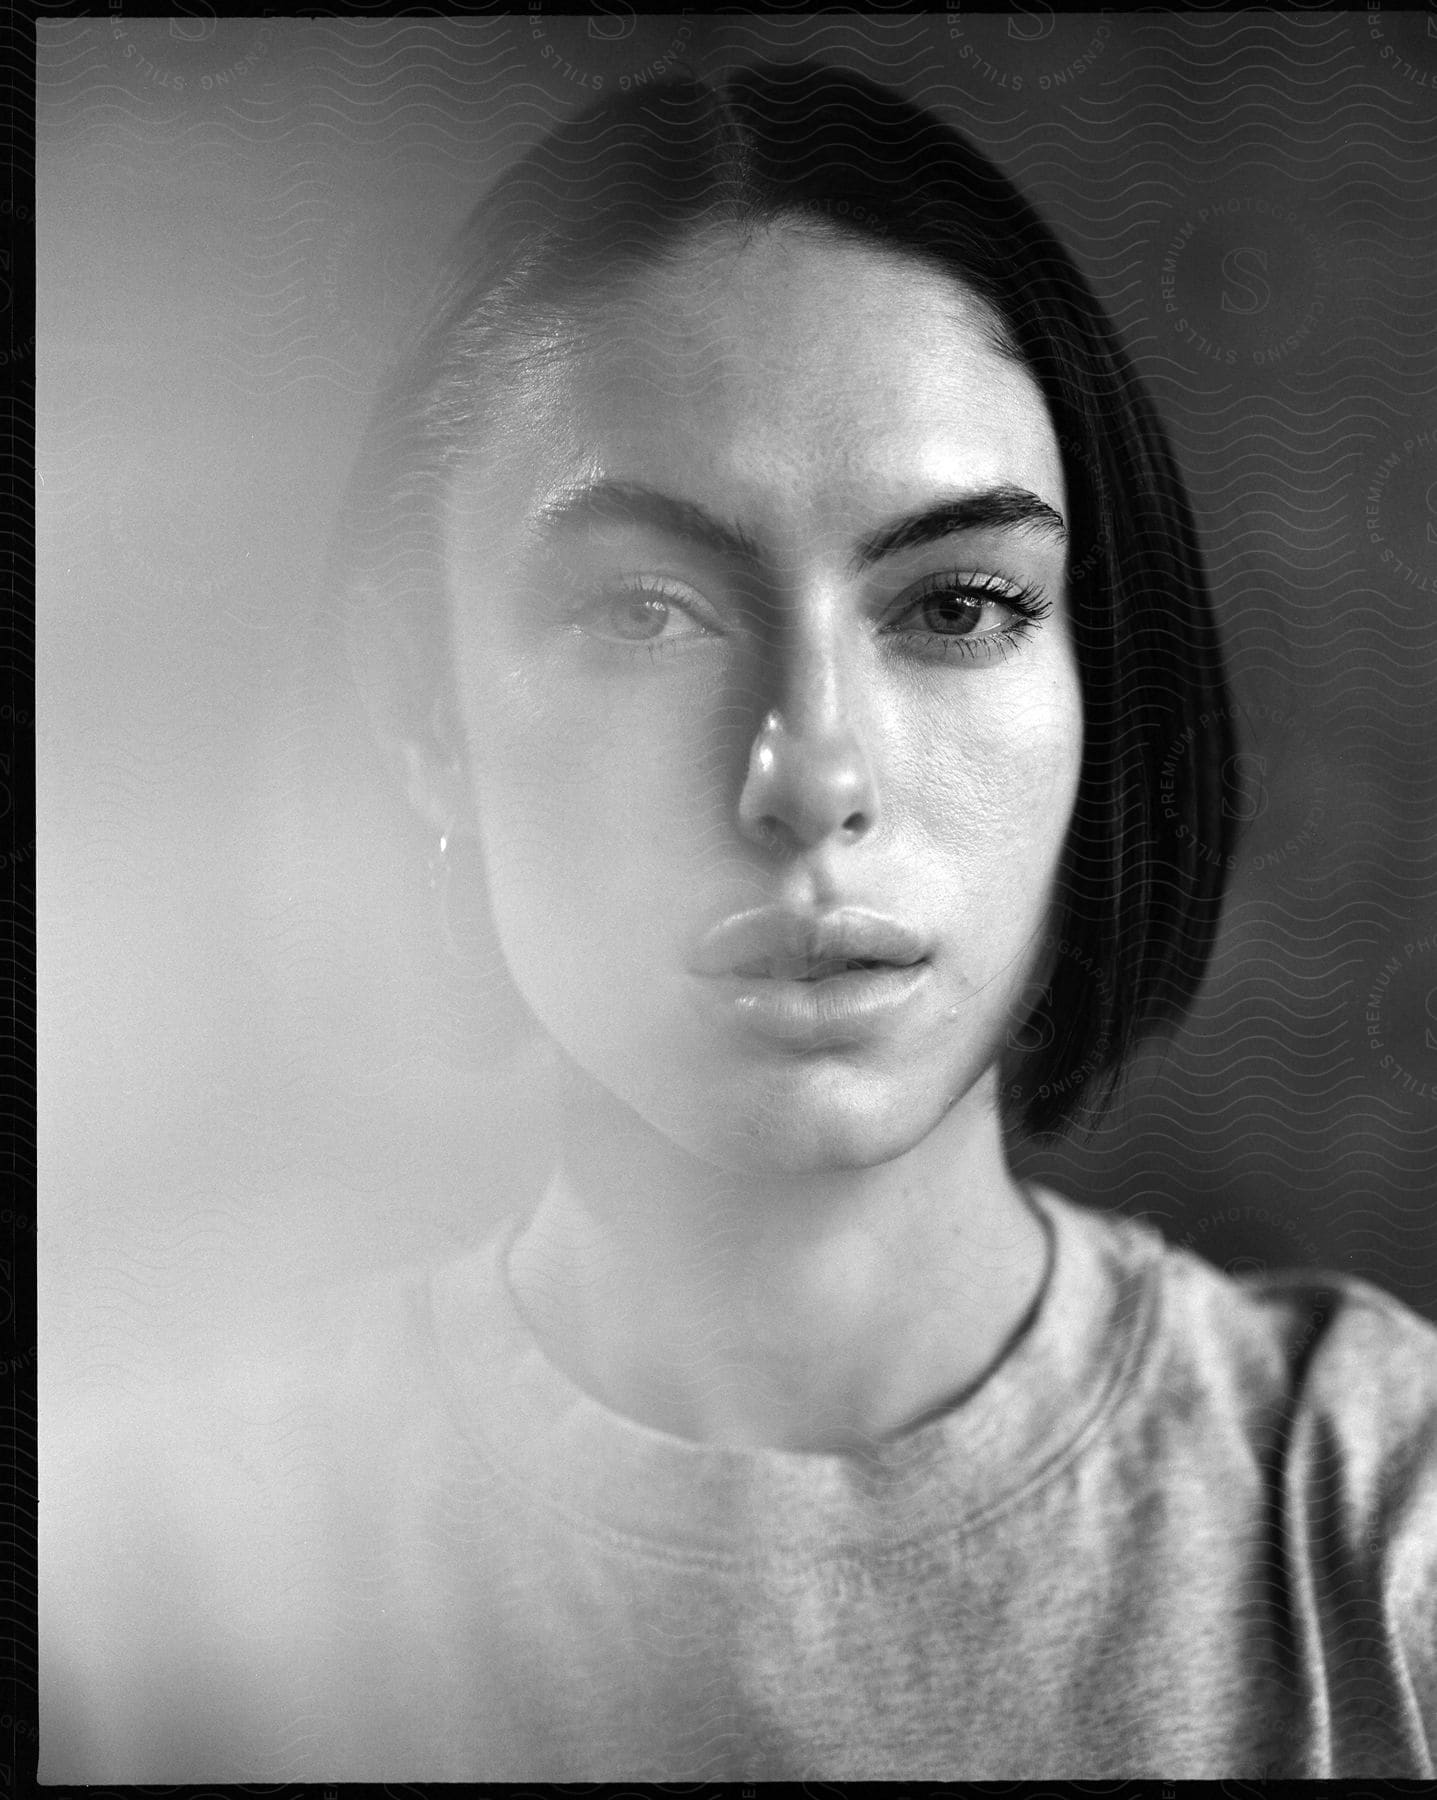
column 1000, row 508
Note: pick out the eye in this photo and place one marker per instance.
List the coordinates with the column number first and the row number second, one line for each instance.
column 958, row 614
column 967, row 614
column 643, row 612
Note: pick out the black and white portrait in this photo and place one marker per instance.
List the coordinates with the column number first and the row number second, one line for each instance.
column 739, row 921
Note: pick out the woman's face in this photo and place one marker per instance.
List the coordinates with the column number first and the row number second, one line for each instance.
column 765, row 669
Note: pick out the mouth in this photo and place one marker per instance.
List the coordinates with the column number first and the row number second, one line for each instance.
column 773, row 944
column 778, row 968
column 816, row 1004
column 810, row 981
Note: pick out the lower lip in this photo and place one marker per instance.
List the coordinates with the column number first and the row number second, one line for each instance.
column 804, row 1012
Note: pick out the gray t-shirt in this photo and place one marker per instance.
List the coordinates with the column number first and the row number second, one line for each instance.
column 1187, row 1527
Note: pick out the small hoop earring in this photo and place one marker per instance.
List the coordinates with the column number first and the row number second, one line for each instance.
column 439, row 865
column 468, row 940
column 441, row 872
column 465, row 929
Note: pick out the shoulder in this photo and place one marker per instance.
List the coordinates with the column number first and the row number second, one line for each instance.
column 1329, row 1348
column 197, row 1533
column 307, row 1367
column 1363, row 1444
column 265, row 1422
column 1320, row 1390
column 1317, row 1366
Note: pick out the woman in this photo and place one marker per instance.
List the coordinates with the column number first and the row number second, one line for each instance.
column 768, row 559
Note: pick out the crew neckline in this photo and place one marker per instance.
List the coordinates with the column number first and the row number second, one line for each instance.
column 614, row 1477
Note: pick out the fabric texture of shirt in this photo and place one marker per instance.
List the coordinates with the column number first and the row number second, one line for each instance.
column 1186, row 1527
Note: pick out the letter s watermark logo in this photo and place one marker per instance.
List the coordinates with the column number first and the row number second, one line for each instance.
column 611, row 24
column 1037, row 1031
column 1245, row 775
column 197, row 24
column 1038, row 22
column 1249, row 260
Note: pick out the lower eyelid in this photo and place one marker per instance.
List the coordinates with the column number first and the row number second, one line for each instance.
column 943, row 645
column 1002, row 604
column 683, row 600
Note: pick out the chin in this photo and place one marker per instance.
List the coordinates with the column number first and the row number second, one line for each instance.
column 838, row 1125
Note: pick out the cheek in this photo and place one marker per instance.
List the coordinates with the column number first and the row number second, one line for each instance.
column 587, row 803
column 995, row 788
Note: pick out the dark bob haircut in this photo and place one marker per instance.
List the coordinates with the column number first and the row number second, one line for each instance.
column 619, row 188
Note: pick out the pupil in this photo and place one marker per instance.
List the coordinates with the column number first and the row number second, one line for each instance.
column 946, row 613
column 641, row 616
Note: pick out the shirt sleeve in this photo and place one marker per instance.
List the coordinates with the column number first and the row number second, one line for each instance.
column 1364, row 1486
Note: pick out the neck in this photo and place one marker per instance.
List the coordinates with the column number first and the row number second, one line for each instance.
column 818, row 1312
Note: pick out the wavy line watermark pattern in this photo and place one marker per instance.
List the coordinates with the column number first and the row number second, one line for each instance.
column 1244, row 281
column 195, row 53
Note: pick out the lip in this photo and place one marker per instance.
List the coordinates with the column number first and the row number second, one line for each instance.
column 784, row 974
column 776, row 943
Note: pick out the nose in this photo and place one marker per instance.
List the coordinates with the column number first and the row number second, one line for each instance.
column 810, row 776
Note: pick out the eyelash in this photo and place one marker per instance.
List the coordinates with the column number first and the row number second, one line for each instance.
column 1028, row 604
column 643, row 587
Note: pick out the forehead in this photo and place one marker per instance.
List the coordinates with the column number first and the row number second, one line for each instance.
column 791, row 373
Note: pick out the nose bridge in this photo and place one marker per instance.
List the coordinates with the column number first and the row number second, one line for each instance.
column 812, row 681
column 811, row 771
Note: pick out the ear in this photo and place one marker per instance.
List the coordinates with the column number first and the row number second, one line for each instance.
column 436, row 786
column 433, row 771
column 413, row 720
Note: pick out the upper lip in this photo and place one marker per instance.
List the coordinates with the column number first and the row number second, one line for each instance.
column 785, row 945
